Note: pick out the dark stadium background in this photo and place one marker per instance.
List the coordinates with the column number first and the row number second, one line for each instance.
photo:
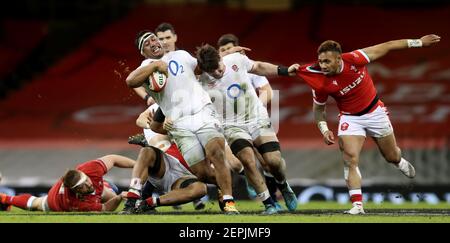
column 63, row 99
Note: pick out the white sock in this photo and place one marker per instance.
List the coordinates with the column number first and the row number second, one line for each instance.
column 263, row 195
column 136, row 184
column 355, row 191
column 30, row 202
column 227, row 197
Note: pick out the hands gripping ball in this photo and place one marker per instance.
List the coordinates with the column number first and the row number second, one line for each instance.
column 157, row 81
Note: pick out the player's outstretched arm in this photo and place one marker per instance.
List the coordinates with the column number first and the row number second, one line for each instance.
column 377, row 51
column 267, row 69
column 114, row 160
column 320, row 117
column 140, row 75
column 113, row 203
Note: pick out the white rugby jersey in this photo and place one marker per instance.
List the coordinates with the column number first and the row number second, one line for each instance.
column 182, row 94
column 233, row 95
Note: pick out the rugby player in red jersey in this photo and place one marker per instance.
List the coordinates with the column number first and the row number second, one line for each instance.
column 80, row 189
column 344, row 77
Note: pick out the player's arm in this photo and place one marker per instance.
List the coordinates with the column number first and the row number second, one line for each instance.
column 114, row 160
column 140, row 75
column 377, row 51
column 158, row 122
column 144, row 120
column 265, row 94
column 113, row 203
column 143, row 94
column 321, row 121
column 266, row 69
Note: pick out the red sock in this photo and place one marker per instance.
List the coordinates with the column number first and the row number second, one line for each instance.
column 152, row 201
column 356, row 198
column 19, row 201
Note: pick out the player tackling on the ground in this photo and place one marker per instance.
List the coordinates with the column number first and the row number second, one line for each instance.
column 344, row 77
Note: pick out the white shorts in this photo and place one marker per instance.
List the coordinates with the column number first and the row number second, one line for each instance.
column 249, row 132
column 174, row 171
column 192, row 133
column 375, row 124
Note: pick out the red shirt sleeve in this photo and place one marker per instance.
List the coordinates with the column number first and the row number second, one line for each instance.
column 357, row 57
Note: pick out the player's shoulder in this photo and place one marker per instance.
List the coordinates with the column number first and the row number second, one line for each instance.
column 356, row 56
column 180, row 53
column 234, row 56
column 92, row 165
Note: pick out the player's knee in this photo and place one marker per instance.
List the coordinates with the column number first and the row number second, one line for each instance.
column 351, row 159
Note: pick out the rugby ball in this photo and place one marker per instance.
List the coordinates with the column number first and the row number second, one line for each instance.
column 157, row 81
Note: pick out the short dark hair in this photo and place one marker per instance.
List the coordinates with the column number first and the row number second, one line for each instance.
column 208, row 58
column 71, row 178
column 164, row 27
column 329, row 45
column 227, row 38
column 139, row 35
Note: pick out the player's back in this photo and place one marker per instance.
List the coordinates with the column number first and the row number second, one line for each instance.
column 233, row 94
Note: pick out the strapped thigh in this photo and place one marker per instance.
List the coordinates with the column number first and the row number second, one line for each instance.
column 269, row 147
column 239, row 145
column 188, row 182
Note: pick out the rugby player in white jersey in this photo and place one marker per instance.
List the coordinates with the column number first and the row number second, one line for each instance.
column 196, row 128
column 265, row 94
column 245, row 119
column 164, row 170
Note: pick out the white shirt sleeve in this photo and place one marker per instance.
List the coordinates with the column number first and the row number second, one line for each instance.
column 248, row 64
column 190, row 60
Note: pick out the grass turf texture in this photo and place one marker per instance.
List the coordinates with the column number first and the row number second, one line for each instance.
column 314, row 212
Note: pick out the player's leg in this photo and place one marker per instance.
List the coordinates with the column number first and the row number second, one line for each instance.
column 146, row 158
column 392, row 154
column 23, row 201
column 215, row 152
column 269, row 178
column 350, row 146
column 243, row 150
column 380, row 128
column 185, row 189
column 269, row 147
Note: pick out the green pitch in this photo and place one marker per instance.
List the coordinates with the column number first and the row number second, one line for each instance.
column 315, row 212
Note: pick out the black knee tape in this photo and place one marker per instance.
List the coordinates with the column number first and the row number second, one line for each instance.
column 239, row 145
column 269, row 147
column 157, row 165
column 187, row 182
